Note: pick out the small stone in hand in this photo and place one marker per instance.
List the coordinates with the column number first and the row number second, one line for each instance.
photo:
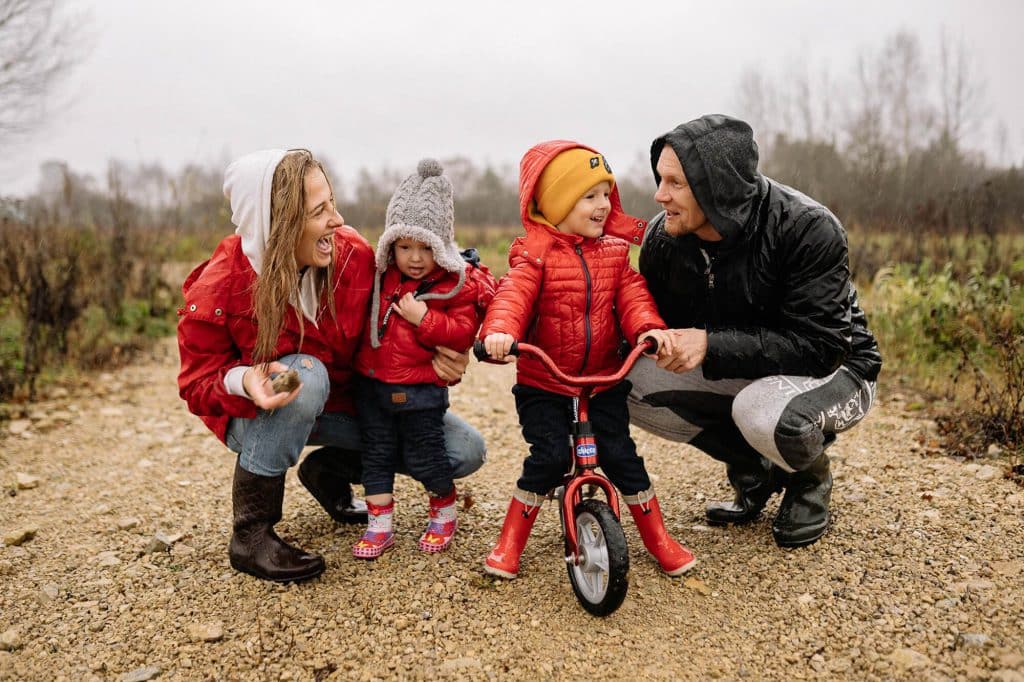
column 285, row 382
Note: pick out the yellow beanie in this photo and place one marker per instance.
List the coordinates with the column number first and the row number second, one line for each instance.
column 566, row 178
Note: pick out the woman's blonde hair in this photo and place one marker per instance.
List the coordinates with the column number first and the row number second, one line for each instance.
column 277, row 286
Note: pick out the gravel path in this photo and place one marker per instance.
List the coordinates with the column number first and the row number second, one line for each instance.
column 921, row 576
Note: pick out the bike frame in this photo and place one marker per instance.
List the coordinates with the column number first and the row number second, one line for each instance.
column 584, row 443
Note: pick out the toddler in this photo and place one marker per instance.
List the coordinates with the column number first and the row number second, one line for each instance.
column 425, row 296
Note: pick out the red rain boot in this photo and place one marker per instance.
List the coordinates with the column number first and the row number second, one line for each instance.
column 441, row 529
column 503, row 561
column 673, row 557
column 379, row 536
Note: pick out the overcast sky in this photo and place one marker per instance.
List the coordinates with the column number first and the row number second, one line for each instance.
column 375, row 83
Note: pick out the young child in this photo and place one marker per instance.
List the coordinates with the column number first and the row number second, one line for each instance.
column 425, row 296
column 570, row 290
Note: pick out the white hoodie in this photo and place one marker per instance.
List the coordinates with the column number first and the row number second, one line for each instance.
column 247, row 185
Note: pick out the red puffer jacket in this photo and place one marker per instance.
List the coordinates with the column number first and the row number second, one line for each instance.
column 574, row 297
column 216, row 330
column 406, row 351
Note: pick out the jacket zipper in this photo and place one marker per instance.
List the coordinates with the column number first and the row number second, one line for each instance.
column 710, row 277
column 586, row 318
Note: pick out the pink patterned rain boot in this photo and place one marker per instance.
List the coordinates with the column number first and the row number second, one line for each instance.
column 379, row 536
column 441, row 528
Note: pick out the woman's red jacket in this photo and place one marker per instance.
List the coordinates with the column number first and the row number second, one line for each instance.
column 216, row 329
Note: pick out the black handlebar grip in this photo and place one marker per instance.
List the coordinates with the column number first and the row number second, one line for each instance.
column 481, row 353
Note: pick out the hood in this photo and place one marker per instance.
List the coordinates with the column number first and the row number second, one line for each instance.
column 719, row 157
column 248, row 182
column 530, row 169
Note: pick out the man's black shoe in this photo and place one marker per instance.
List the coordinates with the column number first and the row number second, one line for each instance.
column 803, row 515
column 754, row 483
column 327, row 473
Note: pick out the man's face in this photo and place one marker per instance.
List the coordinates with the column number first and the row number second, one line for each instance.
column 682, row 213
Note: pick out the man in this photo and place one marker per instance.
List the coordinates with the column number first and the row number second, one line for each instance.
column 772, row 355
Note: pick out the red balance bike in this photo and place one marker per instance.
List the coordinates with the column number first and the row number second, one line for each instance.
column 596, row 554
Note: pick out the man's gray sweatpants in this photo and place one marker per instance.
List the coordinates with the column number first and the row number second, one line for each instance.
column 790, row 420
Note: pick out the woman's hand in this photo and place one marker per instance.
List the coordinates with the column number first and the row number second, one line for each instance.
column 666, row 344
column 498, row 345
column 688, row 350
column 449, row 365
column 412, row 310
column 256, row 382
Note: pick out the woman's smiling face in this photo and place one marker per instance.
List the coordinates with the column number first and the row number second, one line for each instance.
column 316, row 245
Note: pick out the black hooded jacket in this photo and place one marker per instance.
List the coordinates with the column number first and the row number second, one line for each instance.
column 775, row 294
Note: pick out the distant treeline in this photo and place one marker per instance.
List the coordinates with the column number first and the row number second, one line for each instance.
column 191, row 199
column 936, row 188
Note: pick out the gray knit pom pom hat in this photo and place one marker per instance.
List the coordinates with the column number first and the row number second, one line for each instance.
column 422, row 208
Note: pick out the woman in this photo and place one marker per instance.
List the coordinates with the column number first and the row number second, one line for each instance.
column 288, row 291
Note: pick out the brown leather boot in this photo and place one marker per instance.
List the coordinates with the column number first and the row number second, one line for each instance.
column 255, row 548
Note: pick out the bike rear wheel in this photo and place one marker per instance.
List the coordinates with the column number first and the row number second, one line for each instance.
column 601, row 577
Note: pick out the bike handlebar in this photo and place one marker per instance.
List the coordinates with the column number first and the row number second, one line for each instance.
column 649, row 345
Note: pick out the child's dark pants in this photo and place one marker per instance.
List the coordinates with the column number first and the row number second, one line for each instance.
column 546, row 418
column 403, row 422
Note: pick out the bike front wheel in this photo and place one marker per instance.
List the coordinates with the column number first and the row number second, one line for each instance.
column 601, row 577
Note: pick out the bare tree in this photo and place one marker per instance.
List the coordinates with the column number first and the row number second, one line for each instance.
column 756, row 101
column 38, row 47
column 961, row 91
column 902, row 79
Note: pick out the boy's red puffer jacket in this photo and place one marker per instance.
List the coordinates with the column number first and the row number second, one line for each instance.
column 406, row 351
column 216, row 330
column 574, row 297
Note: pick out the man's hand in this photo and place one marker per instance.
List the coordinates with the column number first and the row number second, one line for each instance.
column 665, row 339
column 689, row 347
column 412, row 310
column 256, row 382
column 498, row 345
column 448, row 364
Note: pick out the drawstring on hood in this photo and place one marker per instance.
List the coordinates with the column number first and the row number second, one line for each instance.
column 248, row 184
column 719, row 157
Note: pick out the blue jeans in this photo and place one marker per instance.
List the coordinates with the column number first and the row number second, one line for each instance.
column 272, row 441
